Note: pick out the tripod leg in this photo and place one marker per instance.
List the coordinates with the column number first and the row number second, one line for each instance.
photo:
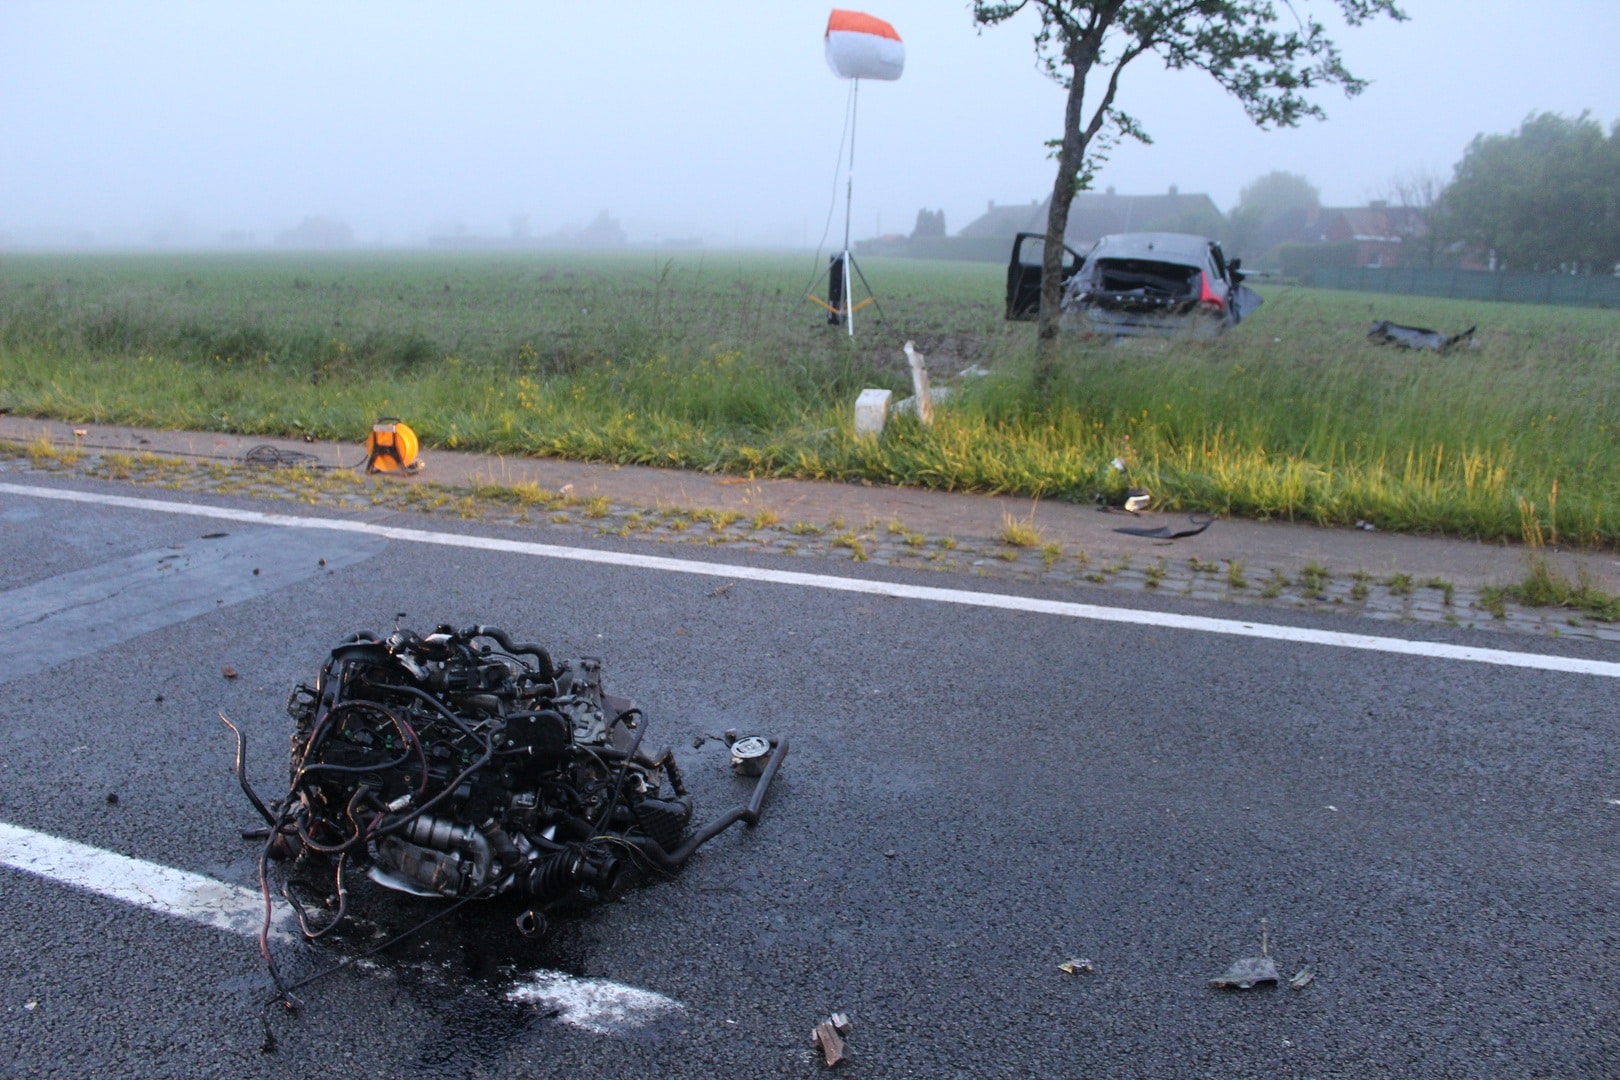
column 868, row 285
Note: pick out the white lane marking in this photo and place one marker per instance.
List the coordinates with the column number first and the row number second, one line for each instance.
column 162, row 889
column 1094, row 612
column 594, row 1005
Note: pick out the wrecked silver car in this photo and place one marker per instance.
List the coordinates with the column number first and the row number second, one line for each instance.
column 1132, row 284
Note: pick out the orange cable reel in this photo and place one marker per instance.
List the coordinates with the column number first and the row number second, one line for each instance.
column 392, row 447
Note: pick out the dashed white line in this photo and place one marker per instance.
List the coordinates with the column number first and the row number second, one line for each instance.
column 963, row 597
column 595, row 1005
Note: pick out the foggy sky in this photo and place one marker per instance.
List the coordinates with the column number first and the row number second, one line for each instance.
column 717, row 119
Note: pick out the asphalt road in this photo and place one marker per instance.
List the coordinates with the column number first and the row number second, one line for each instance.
column 974, row 797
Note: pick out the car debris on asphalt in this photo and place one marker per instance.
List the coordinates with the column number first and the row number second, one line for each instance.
column 1251, row 971
column 1197, row 523
column 828, row 1037
column 463, row 765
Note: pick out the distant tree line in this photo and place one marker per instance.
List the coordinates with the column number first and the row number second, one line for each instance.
column 1546, row 197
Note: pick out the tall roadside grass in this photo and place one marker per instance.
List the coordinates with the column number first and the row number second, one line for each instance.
column 719, row 363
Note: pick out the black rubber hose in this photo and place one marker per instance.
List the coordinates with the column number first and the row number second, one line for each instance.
column 518, row 648
column 747, row 813
column 241, row 775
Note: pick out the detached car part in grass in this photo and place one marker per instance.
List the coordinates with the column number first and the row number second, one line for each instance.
column 465, row 765
column 1384, row 332
column 1133, row 284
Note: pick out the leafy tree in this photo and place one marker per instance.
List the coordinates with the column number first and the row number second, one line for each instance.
column 929, row 223
column 1271, row 208
column 1546, row 197
column 1269, row 63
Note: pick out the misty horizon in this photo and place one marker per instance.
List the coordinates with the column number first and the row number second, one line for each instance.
column 188, row 125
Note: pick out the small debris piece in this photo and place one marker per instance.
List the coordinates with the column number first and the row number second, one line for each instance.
column 891, row 853
column 31, row 1006
column 1253, row 970
column 1165, row 532
column 723, row 589
column 112, row 798
column 81, row 431
column 829, row 1042
column 1366, row 526
column 1247, row 973
column 1302, row 978
column 840, row 1023
column 214, row 535
column 230, row 672
column 1079, row 966
column 255, row 571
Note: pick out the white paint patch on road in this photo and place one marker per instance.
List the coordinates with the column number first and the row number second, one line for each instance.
column 731, row 571
column 591, row 1004
column 594, row 1005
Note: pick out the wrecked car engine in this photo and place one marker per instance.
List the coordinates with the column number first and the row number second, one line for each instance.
column 465, row 765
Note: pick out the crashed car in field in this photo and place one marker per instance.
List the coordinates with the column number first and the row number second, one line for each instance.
column 1132, row 284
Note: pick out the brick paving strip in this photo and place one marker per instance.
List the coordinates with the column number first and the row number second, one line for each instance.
column 1268, row 564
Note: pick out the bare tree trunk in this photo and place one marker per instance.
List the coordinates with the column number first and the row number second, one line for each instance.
column 1070, row 157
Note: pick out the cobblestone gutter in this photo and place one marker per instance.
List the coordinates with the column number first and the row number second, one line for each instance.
column 564, row 516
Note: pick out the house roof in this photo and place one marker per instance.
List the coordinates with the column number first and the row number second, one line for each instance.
column 1095, row 214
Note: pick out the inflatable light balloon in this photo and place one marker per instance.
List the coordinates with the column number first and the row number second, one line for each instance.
column 862, row 47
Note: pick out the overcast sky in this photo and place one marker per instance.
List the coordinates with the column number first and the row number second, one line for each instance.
column 717, row 119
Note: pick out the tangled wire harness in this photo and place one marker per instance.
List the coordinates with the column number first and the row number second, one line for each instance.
column 465, row 765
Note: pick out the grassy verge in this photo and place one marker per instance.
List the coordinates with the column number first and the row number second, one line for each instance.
column 717, row 362
column 1544, row 585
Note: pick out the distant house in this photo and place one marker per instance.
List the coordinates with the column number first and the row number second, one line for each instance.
column 1377, row 231
column 317, row 232
column 1095, row 214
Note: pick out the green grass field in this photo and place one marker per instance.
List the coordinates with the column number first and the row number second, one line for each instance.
column 717, row 361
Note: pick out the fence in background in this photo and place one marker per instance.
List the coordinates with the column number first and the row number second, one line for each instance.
column 1570, row 290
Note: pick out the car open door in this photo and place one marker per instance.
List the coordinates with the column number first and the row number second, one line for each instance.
column 1024, row 274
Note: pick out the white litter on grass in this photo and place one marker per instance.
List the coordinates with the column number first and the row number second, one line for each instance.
column 605, row 1008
